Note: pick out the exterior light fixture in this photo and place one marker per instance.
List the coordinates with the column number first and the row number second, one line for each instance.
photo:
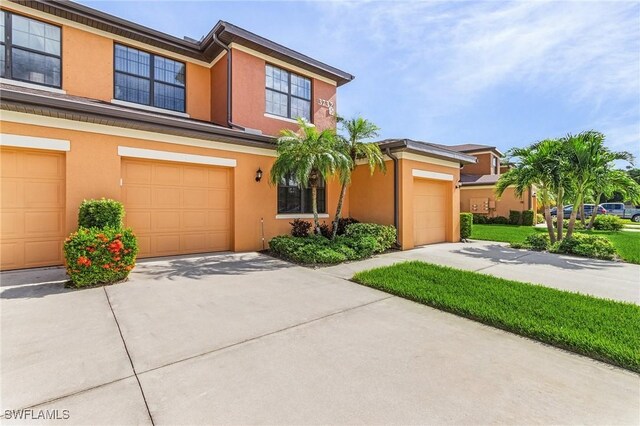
column 258, row 175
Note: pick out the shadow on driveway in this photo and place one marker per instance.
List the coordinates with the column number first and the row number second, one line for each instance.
column 504, row 255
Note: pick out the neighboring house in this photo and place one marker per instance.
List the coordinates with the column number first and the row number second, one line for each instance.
column 178, row 130
column 477, row 184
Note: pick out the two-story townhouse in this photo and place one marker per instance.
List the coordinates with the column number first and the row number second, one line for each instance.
column 478, row 181
column 182, row 132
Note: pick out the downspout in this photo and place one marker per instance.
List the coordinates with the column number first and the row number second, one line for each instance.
column 396, row 195
column 230, row 122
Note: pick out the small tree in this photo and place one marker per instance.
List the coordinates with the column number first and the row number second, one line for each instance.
column 353, row 145
column 308, row 156
column 610, row 181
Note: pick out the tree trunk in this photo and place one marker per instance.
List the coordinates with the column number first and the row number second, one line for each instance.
column 572, row 219
column 595, row 212
column 314, row 206
column 549, row 220
column 560, row 213
column 343, row 191
column 582, row 219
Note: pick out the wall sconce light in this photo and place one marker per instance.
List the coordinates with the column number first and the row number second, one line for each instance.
column 258, row 175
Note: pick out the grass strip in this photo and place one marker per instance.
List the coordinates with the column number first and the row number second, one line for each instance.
column 602, row 329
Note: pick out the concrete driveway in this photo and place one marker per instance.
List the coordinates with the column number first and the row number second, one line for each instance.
column 247, row 339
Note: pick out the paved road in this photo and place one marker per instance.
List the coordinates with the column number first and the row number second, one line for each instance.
column 244, row 338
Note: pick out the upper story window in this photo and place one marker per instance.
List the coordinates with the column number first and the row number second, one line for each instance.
column 494, row 164
column 30, row 50
column 147, row 79
column 288, row 94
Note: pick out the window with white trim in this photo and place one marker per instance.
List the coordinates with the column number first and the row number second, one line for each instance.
column 293, row 199
column 287, row 94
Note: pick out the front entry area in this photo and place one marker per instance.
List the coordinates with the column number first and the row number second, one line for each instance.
column 177, row 208
column 429, row 211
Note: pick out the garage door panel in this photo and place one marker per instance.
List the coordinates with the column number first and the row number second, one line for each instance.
column 430, row 210
column 187, row 204
column 136, row 173
column 32, row 208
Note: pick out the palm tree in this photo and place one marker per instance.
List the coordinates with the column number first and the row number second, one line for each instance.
column 357, row 129
column 308, row 156
column 538, row 165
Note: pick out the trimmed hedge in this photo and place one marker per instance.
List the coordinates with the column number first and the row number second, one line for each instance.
column 102, row 213
column 384, row 235
column 528, row 217
column 537, row 242
column 466, row 225
column 586, row 245
column 514, row 217
column 608, row 223
column 99, row 256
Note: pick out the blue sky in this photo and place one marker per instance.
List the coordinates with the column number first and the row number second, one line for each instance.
column 496, row 73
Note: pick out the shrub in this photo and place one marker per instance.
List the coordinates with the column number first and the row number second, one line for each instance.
column 587, row 245
column 466, row 225
column 343, row 222
column 300, row 228
column 384, row 235
column 538, row 242
column 325, row 230
column 514, row 217
column 499, row 220
column 480, row 219
column 540, row 218
column 528, row 217
column 102, row 213
column 97, row 256
column 577, row 224
column 608, row 223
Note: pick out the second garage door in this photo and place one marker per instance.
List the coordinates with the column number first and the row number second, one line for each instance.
column 429, row 211
column 177, row 208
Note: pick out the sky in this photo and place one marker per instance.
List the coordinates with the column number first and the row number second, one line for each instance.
column 497, row 73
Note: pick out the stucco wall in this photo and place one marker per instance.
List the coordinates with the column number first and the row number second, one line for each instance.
column 508, row 201
column 371, row 196
column 483, row 166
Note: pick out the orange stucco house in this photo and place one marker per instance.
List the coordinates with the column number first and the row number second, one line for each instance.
column 177, row 129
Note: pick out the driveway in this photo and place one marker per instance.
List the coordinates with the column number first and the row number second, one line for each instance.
column 244, row 338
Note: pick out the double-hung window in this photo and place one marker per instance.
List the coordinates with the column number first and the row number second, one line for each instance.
column 293, row 199
column 147, row 79
column 287, row 94
column 30, row 50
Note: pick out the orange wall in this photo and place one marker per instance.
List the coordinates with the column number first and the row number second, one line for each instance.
column 482, row 167
column 508, row 201
column 93, row 171
column 198, row 92
column 219, row 92
column 249, row 102
column 371, row 196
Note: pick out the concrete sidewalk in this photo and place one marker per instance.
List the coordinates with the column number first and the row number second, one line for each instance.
column 248, row 339
column 600, row 278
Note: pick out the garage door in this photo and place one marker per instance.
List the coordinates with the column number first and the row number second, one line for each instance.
column 32, row 208
column 177, row 208
column 430, row 209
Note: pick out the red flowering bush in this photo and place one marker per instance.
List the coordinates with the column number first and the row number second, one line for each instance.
column 100, row 256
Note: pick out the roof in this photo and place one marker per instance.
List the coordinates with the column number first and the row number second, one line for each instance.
column 426, row 148
column 471, row 180
column 471, row 148
column 40, row 102
column 204, row 50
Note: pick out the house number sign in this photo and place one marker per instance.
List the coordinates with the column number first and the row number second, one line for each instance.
column 327, row 104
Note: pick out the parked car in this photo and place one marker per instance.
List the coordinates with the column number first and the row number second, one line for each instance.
column 588, row 211
column 620, row 210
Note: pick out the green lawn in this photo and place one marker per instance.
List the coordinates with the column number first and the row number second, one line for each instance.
column 598, row 328
column 627, row 243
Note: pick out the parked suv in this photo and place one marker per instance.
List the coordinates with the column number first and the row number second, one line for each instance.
column 620, row 210
column 588, row 211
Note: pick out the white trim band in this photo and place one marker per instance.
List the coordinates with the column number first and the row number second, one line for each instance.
column 432, row 175
column 152, row 154
column 301, row 216
column 288, row 120
column 20, row 141
column 149, row 108
column 32, row 86
column 427, row 158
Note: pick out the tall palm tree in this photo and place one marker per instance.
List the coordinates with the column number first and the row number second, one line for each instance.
column 538, row 165
column 352, row 144
column 309, row 156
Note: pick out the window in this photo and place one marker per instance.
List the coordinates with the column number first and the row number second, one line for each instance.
column 147, row 79
column 29, row 50
column 293, row 199
column 494, row 164
column 287, row 94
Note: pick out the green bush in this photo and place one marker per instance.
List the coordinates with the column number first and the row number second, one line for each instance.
column 528, row 217
column 538, row 242
column 498, row 220
column 466, row 225
column 98, row 256
column 608, row 223
column 539, row 218
column 514, row 217
column 577, row 224
column 102, row 213
column 480, row 219
column 383, row 234
column 594, row 246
